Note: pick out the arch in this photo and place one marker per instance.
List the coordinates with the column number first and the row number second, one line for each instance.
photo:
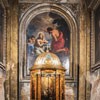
column 33, row 11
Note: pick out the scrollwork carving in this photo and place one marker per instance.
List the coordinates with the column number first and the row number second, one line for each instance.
column 74, row 8
column 23, row 7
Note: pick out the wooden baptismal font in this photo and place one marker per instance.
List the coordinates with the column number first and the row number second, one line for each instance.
column 47, row 78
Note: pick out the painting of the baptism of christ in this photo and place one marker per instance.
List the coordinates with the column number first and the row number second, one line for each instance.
column 48, row 31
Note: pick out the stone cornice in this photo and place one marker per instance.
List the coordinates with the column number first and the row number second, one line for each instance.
column 2, row 66
column 95, row 67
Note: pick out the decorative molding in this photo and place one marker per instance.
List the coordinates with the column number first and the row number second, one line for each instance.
column 93, row 63
column 92, row 39
column 94, row 4
column 75, row 8
column 48, row 1
column 95, row 67
column 4, row 3
column 23, row 8
column 2, row 66
column 4, row 32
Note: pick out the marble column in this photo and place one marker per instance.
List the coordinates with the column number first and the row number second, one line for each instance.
column 12, row 51
column 84, row 54
column 57, row 87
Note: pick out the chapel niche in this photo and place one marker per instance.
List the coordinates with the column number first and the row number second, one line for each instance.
column 37, row 18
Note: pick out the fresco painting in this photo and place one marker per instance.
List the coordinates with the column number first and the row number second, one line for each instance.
column 48, row 32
